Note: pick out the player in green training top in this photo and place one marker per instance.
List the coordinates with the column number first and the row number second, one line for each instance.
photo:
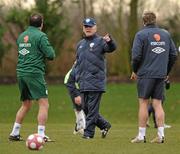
column 33, row 49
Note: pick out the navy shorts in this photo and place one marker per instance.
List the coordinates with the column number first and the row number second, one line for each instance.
column 150, row 88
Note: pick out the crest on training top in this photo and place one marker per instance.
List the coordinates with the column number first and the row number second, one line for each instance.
column 26, row 38
column 157, row 37
column 91, row 45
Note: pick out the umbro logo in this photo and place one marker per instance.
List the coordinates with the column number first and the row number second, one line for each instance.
column 23, row 52
column 158, row 50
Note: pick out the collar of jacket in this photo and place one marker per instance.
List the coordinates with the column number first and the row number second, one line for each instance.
column 32, row 27
column 151, row 26
column 91, row 37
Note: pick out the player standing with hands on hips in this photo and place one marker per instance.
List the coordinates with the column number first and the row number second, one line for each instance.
column 33, row 49
column 153, row 55
column 91, row 75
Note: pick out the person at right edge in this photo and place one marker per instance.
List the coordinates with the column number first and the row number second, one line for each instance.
column 91, row 75
column 153, row 55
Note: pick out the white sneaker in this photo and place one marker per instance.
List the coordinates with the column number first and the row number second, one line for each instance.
column 157, row 140
column 167, row 126
column 47, row 139
column 80, row 131
column 137, row 140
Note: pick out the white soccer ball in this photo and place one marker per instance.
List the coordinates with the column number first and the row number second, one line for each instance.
column 35, row 142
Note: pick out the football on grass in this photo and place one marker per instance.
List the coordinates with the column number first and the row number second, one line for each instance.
column 34, row 142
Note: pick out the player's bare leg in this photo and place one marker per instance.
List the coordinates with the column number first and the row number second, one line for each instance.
column 143, row 117
column 42, row 118
column 25, row 107
column 159, row 112
column 42, row 115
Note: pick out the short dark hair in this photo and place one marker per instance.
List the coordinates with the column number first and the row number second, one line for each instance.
column 36, row 20
column 149, row 17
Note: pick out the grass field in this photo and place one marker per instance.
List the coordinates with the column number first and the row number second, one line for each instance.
column 119, row 105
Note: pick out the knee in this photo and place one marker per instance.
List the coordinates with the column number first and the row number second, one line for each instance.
column 26, row 105
column 46, row 106
column 43, row 103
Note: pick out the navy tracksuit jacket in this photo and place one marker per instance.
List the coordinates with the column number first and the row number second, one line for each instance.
column 153, row 52
column 91, row 76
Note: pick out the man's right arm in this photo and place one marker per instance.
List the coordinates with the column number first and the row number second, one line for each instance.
column 136, row 53
column 46, row 48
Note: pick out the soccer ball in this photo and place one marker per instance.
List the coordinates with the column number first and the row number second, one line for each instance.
column 34, row 142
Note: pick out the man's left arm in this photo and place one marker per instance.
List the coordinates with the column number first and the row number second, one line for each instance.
column 172, row 56
column 46, row 48
column 109, row 44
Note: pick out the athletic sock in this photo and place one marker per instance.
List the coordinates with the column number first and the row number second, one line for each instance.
column 16, row 129
column 161, row 132
column 41, row 130
column 81, row 120
column 76, row 114
column 142, row 133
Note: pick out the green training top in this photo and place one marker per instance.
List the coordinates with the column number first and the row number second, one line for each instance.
column 33, row 49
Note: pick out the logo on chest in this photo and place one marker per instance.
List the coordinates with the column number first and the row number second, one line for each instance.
column 91, row 45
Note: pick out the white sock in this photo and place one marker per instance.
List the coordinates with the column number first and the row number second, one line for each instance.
column 142, row 132
column 76, row 114
column 161, row 132
column 16, row 129
column 80, row 114
column 41, row 130
column 81, row 120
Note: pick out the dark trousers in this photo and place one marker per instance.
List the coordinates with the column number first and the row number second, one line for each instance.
column 91, row 102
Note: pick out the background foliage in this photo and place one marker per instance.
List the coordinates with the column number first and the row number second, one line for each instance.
column 120, row 18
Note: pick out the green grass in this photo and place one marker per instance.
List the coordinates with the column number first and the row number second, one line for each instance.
column 119, row 105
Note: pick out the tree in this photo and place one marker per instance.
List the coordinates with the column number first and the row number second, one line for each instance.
column 133, row 23
column 2, row 46
column 3, row 29
column 55, row 23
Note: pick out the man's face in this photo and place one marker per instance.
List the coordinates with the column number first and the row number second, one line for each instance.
column 89, row 31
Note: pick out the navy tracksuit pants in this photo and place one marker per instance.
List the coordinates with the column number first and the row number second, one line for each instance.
column 91, row 102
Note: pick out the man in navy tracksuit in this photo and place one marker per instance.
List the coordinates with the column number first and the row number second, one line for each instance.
column 91, row 75
column 153, row 55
